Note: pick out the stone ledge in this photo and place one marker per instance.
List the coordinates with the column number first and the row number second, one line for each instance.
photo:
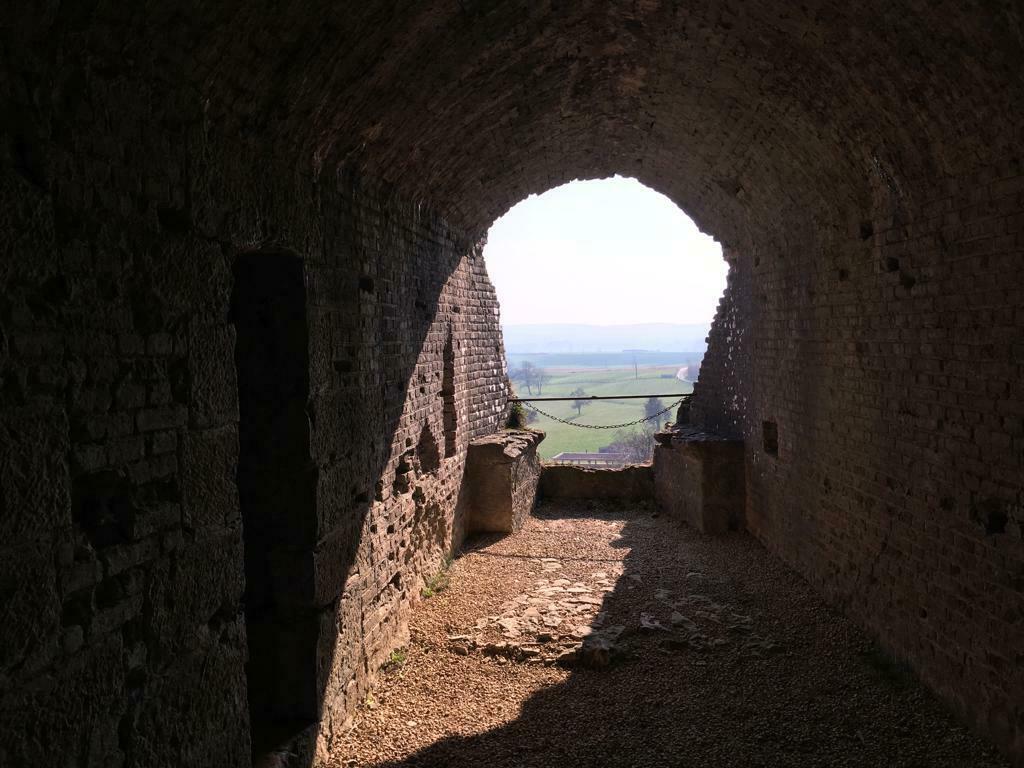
column 689, row 436
column 500, row 484
column 512, row 443
column 565, row 481
column 699, row 478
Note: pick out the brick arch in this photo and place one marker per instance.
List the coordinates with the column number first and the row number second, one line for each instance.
column 751, row 119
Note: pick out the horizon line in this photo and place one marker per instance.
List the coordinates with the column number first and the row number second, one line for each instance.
column 600, row 325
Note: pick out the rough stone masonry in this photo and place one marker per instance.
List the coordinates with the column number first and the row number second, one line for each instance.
column 861, row 164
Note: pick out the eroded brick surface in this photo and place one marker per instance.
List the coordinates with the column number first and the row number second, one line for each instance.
column 891, row 371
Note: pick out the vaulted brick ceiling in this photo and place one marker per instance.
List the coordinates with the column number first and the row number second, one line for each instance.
column 748, row 114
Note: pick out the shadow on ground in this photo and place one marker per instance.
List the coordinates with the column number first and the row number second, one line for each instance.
column 758, row 673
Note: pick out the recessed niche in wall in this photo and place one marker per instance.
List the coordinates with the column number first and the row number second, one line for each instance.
column 428, row 452
column 770, row 436
column 275, row 491
column 451, row 419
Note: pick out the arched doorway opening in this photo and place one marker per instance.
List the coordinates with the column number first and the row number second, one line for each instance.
column 607, row 289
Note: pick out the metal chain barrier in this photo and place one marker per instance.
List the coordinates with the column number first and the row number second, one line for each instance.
column 602, row 426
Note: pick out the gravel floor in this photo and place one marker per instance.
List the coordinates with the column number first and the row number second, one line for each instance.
column 696, row 651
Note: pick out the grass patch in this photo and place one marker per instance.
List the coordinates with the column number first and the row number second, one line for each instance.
column 599, row 381
column 395, row 661
column 440, row 581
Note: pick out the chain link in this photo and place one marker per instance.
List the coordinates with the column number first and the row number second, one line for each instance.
column 535, row 409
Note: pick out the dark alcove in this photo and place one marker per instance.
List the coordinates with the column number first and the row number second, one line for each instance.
column 275, row 481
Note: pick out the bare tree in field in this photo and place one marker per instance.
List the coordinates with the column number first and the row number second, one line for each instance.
column 540, row 378
column 526, row 373
column 531, row 376
column 653, row 406
column 638, row 446
column 581, row 400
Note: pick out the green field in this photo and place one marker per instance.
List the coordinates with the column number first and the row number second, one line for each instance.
column 599, row 381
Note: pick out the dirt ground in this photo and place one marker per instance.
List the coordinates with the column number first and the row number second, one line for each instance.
column 604, row 637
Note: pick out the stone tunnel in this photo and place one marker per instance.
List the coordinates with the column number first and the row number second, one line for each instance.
column 247, row 333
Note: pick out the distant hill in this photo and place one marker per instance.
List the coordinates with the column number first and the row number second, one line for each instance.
column 581, row 339
column 685, row 364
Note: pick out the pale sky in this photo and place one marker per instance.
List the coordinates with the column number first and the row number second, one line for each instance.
column 604, row 252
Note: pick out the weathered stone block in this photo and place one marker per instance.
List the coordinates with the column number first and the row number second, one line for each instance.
column 189, row 588
column 150, row 419
column 75, row 716
column 332, row 563
column 699, row 478
column 213, row 397
column 31, row 605
column 500, row 484
column 185, row 718
column 208, row 466
column 34, row 483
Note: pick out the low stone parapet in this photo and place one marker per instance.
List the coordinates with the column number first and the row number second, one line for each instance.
column 565, row 481
column 500, row 484
column 699, row 478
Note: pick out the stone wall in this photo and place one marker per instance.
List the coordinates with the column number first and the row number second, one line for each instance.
column 389, row 458
column 882, row 405
column 121, row 553
column 121, row 529
column 564, row 481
